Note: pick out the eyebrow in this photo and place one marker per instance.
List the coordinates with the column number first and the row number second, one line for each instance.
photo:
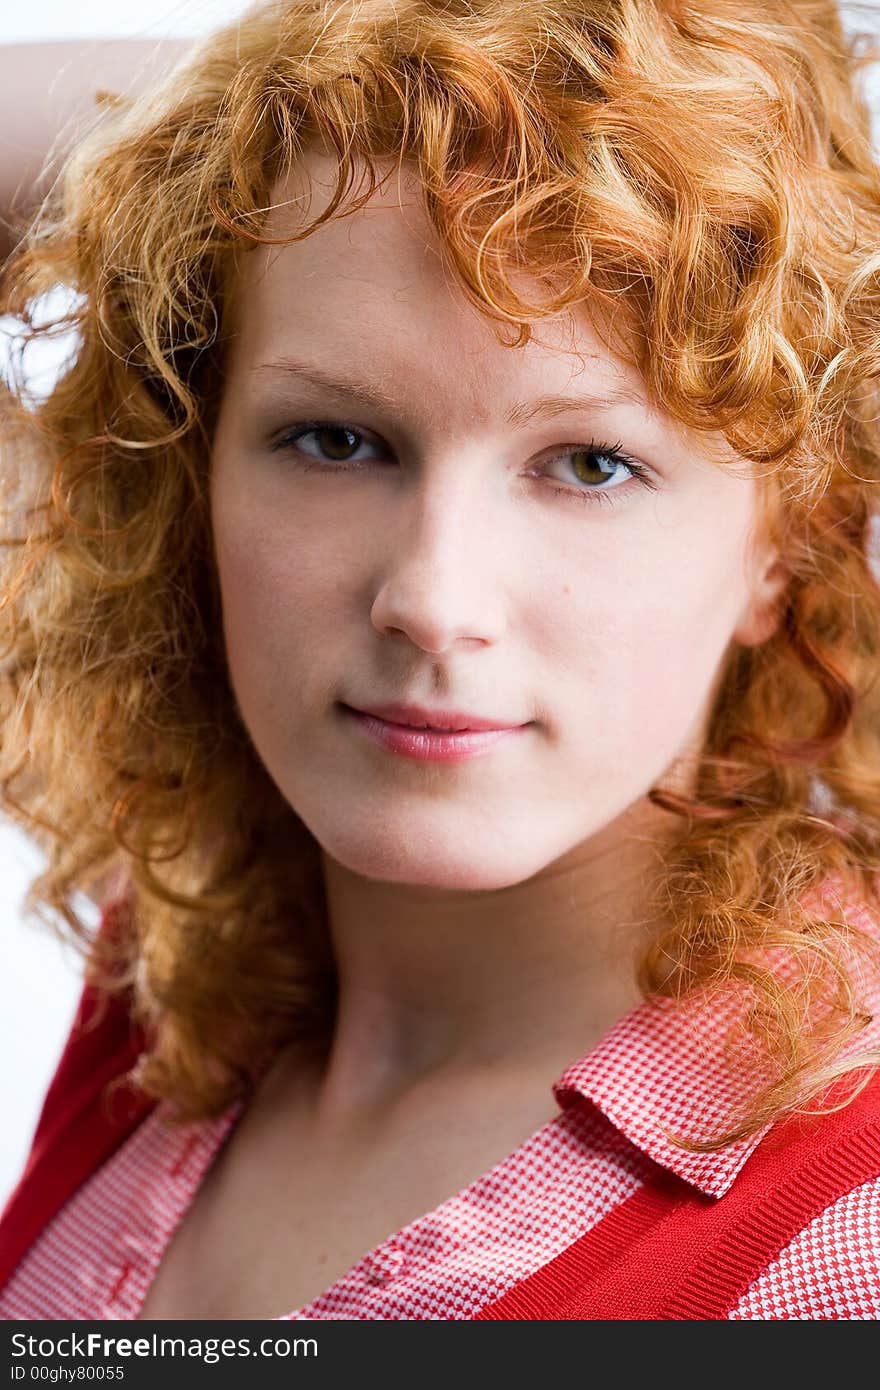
column 517, row 416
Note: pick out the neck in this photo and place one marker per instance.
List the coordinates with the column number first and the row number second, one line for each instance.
column 522, row 980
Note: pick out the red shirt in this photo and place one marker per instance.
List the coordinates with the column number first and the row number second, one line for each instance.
column 661, row 1068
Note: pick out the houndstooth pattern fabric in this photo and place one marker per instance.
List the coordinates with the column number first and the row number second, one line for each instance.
column 830, row 1271
column 99, row 1257
column 662, row 1070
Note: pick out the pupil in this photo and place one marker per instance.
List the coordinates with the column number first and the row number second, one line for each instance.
column 592, row 467
column 338, row 443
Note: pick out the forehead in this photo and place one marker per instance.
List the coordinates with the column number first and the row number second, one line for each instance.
column 376, row 286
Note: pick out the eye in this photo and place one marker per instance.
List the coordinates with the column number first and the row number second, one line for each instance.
column 337, row 443
column 597, row 467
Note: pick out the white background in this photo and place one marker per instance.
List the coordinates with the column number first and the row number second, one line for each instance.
column 39, row 980
column 60, row 19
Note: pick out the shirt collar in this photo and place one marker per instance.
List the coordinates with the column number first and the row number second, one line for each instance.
column 679, row 1067
column 667, row 1068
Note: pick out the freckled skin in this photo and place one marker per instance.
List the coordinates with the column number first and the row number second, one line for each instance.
column 432, row 575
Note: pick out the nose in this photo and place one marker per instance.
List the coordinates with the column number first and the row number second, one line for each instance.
column 437, row 584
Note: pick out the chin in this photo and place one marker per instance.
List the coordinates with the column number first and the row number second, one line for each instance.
column 470, row 866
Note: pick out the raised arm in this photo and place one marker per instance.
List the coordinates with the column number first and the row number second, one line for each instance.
column 47, row 98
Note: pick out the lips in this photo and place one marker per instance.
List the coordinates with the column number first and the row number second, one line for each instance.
column 421, row 744
column 441, row 720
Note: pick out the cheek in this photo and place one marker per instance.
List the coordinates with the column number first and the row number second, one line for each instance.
column 277, row 586
column 641, row 642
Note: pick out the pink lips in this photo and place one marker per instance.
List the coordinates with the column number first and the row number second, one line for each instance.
column 446, row 720
column 465, row 737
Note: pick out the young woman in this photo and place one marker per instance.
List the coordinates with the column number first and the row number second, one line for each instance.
column 440, row 614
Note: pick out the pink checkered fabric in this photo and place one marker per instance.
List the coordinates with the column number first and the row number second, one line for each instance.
column 661, row 1070
column 832, row 1269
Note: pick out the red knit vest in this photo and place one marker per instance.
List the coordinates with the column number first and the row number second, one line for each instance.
column 667, row 1252
column 670, row 1252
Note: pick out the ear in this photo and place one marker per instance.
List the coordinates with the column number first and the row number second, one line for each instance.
column 766, row 605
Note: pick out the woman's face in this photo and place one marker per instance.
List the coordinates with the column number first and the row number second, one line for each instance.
column 455, row 536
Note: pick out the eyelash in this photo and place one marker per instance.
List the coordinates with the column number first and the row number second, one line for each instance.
column 611, row 452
